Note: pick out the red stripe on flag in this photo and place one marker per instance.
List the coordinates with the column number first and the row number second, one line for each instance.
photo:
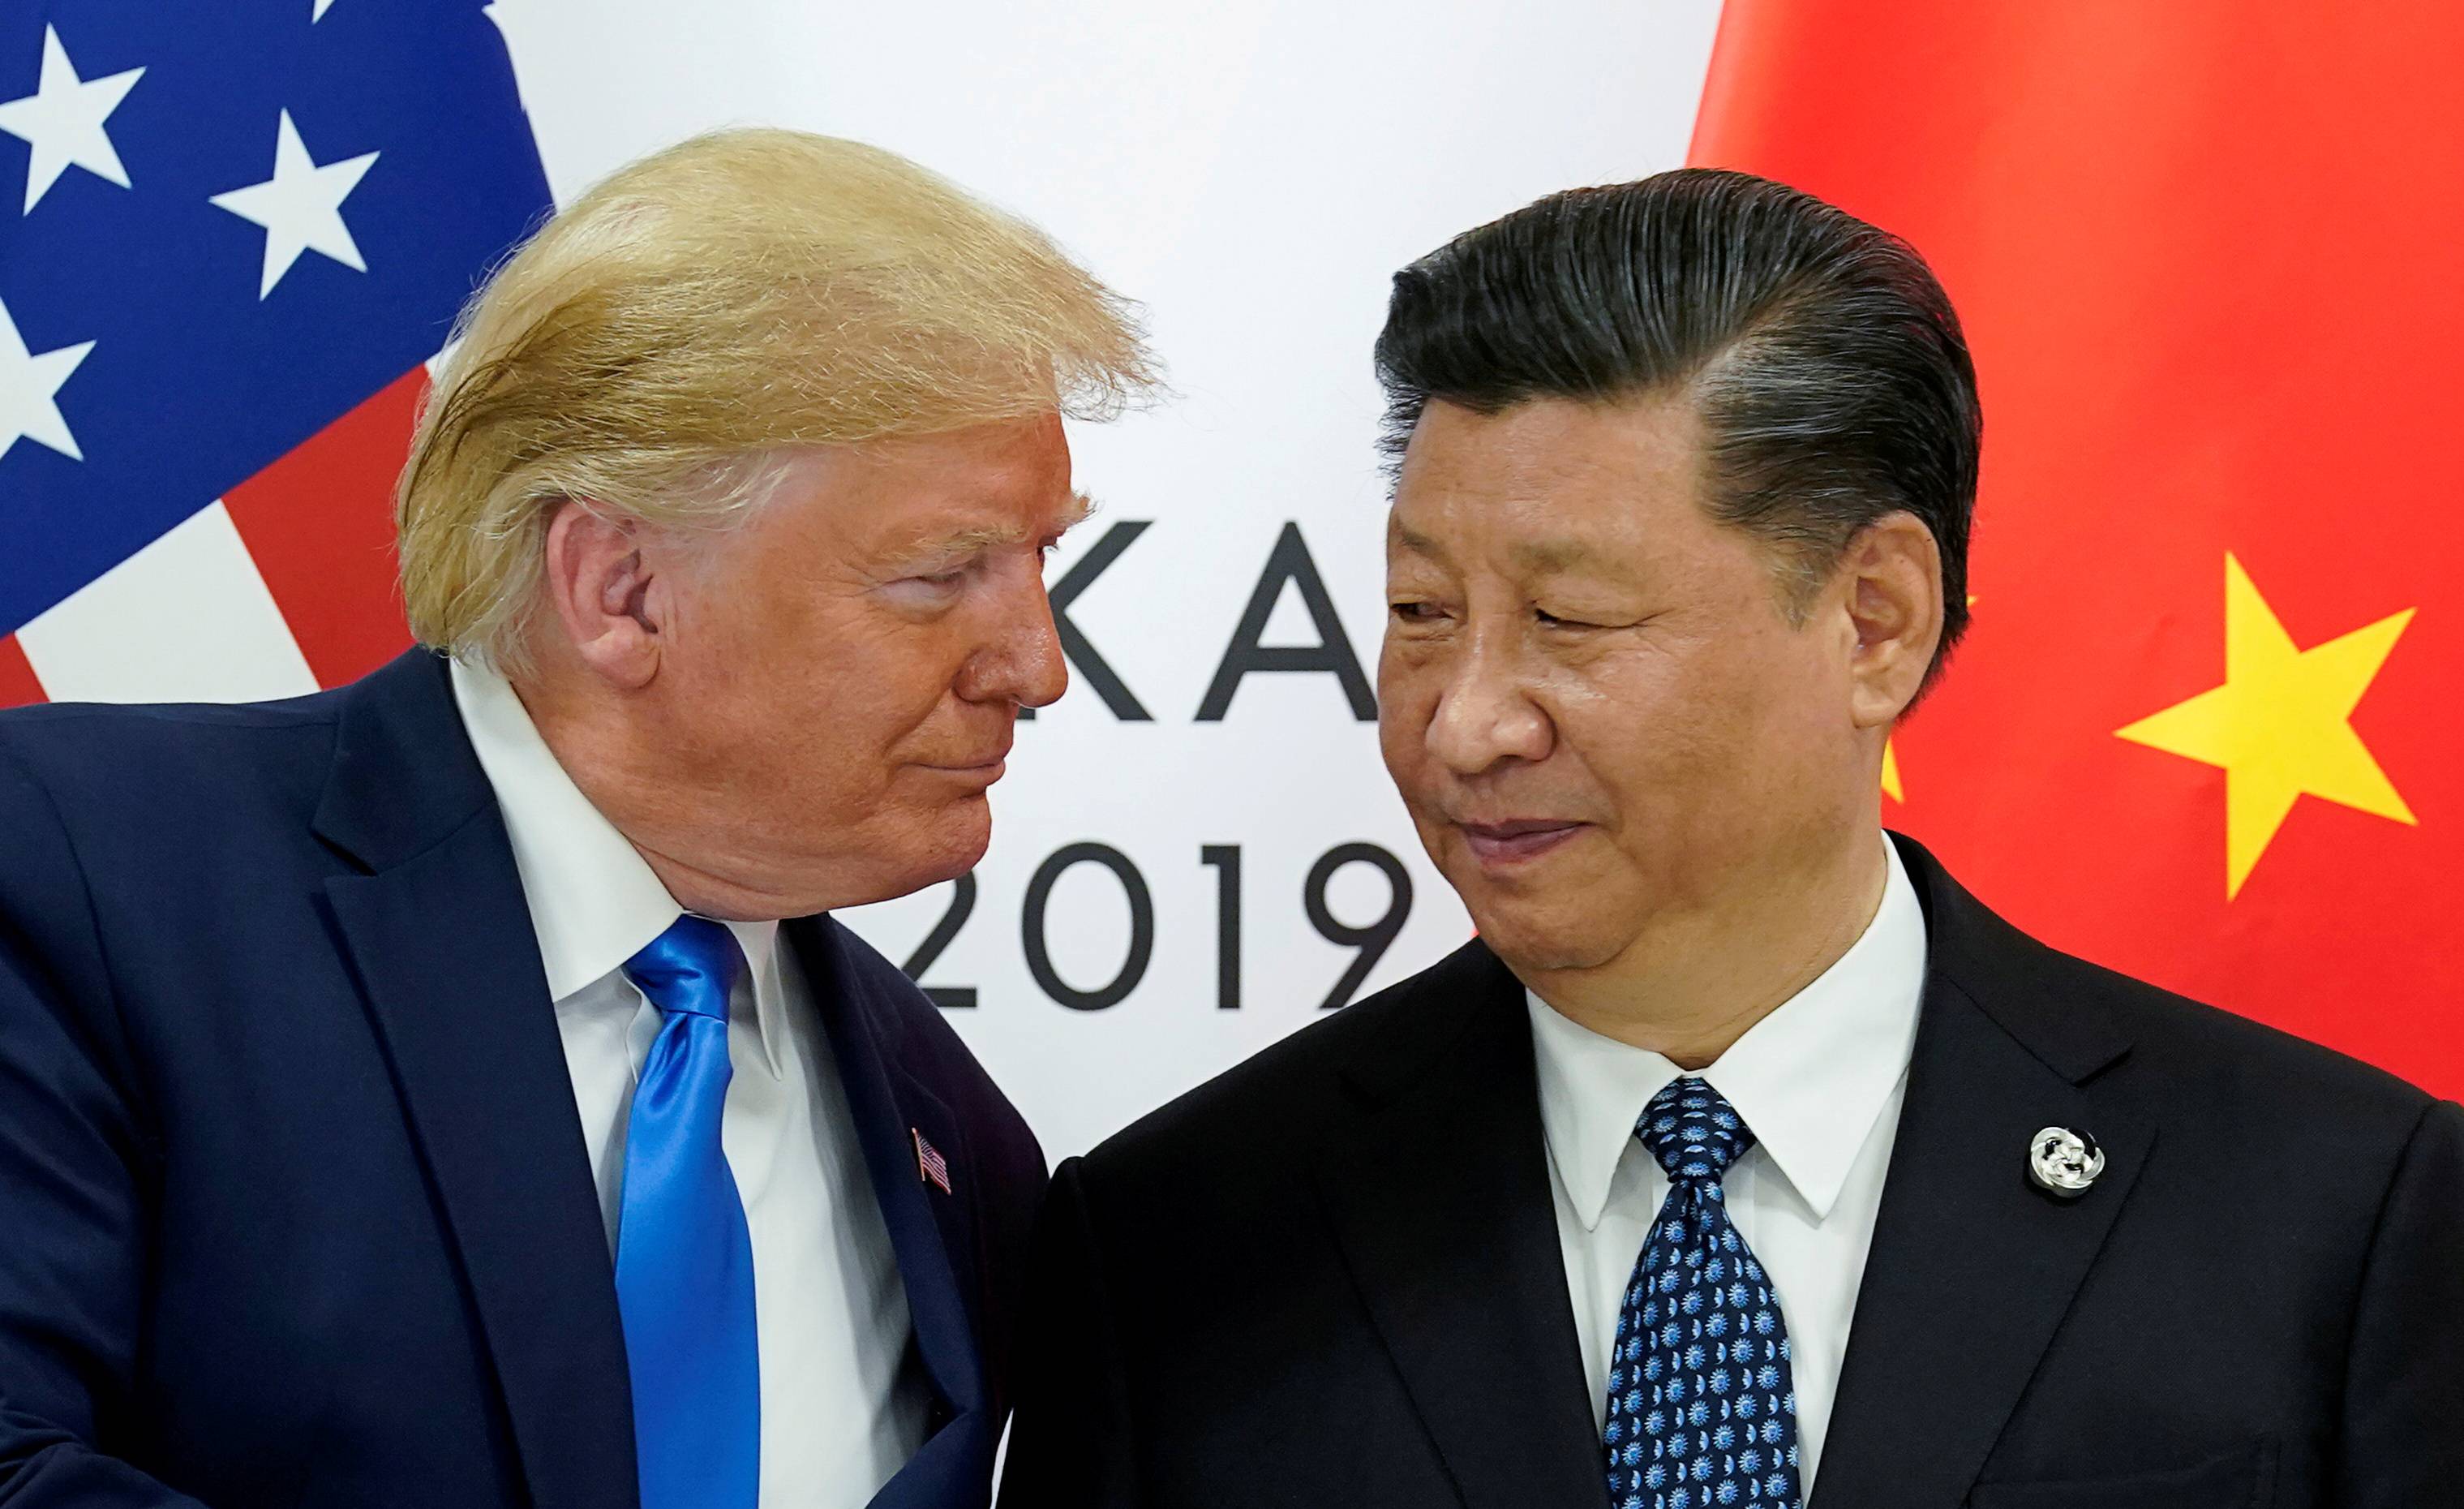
column 319, row 523
column 18, row 683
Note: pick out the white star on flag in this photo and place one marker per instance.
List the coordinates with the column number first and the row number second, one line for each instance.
column 300, row 206
column 317, row 12
column 62, row 122
column 27, row 384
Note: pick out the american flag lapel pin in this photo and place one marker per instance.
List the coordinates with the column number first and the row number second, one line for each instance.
column 929, row 1166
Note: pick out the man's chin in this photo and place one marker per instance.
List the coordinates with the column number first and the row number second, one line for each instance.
column 959, row 839
column 894, row 865
column 1539, row 944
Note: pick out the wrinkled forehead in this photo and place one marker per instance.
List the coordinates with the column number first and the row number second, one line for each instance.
column 988, row 484
column 1551, row 486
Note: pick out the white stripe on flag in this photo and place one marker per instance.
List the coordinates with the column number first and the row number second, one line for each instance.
column 186, row 619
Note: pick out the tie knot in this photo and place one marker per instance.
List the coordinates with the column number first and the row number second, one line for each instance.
column 690, row 968
column 1693, row 1131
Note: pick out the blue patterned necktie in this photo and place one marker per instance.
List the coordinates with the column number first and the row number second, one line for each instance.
column 684, row 1255
column 1701, row 1410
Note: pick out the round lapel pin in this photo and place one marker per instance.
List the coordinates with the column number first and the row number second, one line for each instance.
column 2065, row 1163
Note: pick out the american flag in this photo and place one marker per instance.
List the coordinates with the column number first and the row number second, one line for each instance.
column 930, row 1165
column 232, row 237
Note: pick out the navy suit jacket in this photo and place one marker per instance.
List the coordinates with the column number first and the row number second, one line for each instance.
column 2259, row 1305
column 293, row 1206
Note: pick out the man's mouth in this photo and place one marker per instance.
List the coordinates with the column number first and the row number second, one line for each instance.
column 1517, row 840
column 987, row 766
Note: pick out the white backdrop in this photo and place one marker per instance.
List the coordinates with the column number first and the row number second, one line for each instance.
column 1253, row 172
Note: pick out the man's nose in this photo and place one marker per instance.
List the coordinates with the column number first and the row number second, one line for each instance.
column 1485, row 714
column 1022, row 664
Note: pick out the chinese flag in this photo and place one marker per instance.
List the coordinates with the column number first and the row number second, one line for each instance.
column 2209, row 255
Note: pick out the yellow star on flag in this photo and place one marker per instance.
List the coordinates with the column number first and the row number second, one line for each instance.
column 2281, row 725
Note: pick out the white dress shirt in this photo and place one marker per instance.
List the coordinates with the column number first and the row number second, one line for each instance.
column 1819, row 1080
column 843, row 1408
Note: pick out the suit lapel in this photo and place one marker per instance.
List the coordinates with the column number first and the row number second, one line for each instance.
column 1973, row 1267
column 932, row 1233
column 953, row 1212
column 1435, row 1179
column 441, row 942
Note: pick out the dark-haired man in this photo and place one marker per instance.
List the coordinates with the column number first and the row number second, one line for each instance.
column 1744, row 1158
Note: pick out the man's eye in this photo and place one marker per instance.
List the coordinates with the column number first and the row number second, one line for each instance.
column 1416, row 612
column 933, row 590
column 1549, row 620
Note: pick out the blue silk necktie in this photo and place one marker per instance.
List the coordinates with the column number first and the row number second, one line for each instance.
column 684, row 1255
column 1702, row 1408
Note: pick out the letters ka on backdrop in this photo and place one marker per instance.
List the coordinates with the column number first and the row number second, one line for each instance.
column 1196, row 848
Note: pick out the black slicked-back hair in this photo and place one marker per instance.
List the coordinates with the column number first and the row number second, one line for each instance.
column 1825, row 362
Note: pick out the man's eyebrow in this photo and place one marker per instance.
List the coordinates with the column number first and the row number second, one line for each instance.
column 1418, row 544
column 1532, row 555
column 1550, row 555
column 1080, row 509
column 994, row 537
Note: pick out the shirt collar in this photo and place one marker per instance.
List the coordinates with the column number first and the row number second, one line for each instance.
column 1809, row 1079
column 594, row 901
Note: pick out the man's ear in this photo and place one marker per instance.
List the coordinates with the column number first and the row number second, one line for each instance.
column 601, row 591
column 1893, row 574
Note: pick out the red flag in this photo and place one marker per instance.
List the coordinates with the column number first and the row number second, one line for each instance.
column 319, row 523
column 2206, row 728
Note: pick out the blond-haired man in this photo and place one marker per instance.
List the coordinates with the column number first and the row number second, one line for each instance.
column 450, row 1089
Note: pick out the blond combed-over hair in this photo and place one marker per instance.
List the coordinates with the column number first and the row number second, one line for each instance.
column 659, row 346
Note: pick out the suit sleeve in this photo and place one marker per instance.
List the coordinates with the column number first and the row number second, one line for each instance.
column 71, row 1156
column 2404, row 1388
column 1070, row 1445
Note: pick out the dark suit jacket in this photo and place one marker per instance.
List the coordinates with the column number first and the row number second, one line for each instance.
column 1332, row 1278
column 294, row 1207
